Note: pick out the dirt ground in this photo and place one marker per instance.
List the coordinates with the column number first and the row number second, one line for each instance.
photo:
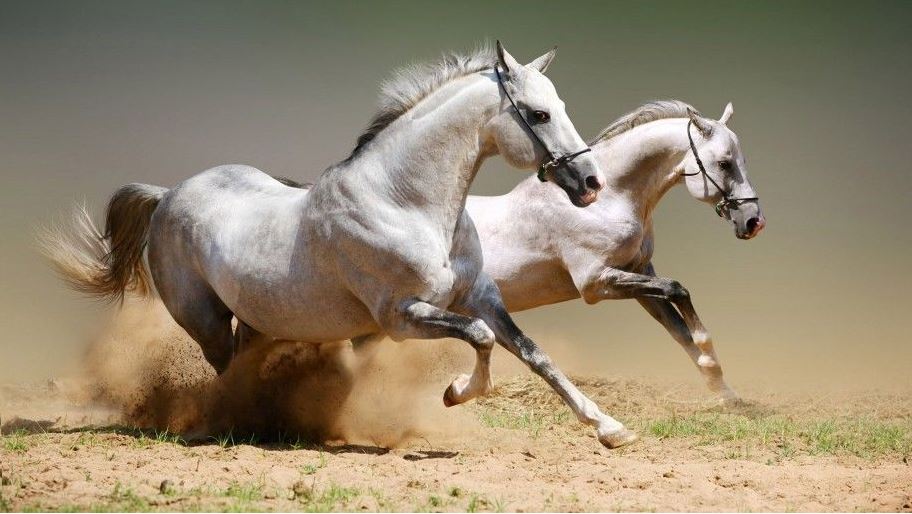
column 515, row 453
column 145, row 430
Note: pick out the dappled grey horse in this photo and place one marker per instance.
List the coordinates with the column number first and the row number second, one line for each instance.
column 539, row 250
column 381, row 245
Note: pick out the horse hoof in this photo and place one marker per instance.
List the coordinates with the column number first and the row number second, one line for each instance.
column 731, row 402
column 617, row 439
column 449, row 397
column 727, row 397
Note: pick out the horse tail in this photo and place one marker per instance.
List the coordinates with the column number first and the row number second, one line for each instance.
column 107, row 265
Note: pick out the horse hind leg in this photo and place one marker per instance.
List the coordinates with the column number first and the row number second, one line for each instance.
column 211, row 329
column 206, row 319
column 246, row 337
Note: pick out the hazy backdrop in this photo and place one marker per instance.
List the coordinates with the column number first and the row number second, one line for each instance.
column 97, row 94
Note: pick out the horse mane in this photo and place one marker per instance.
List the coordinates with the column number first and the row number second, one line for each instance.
column 290, row 182
column 411, row 84
column 652, row 111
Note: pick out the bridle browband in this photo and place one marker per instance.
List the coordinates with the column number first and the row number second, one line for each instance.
column 552, row 162
column 727, row 202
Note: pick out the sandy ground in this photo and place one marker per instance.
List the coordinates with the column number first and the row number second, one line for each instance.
column 515, row 453
column 107, row 440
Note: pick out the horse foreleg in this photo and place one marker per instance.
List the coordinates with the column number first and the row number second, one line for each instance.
column 421, row 320
column 488, row 305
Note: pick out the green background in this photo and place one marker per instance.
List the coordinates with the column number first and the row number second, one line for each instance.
column 97, row 94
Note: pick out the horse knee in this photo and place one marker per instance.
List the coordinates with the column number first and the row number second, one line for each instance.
column 676, row 292
column 480, row 335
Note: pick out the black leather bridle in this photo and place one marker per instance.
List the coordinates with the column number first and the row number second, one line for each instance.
column 727, row 202
column 553, row 162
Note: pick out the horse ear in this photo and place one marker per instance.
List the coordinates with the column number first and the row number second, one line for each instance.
column 507, row 62
column 729, row 110
column 702, row 125
column 541, row 64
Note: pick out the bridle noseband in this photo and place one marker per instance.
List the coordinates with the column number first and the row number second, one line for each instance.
column 727, row 202
column 553, row 162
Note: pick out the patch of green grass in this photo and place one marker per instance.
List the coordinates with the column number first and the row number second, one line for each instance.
column 310, row 469
column 126, row 500
column 332, row 498
column 88, row 440
column 120, row 499
column 867, row 438
column 434, row 502
column 383, row 505
column 861, row 437
column 225, row 440
column 477, row 503
column 16, row 442
column 527, row 419
column 243, row 496
column 147, row 439
column 248, row 492
column 298, row 444
column 4, row 504
column 169, row 438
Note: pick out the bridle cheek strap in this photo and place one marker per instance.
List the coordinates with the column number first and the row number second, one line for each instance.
column 553, row 162
column 546, row 167
column 727, row 202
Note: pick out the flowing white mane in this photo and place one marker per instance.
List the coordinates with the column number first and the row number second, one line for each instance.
column 411, row 84
column 652, row 111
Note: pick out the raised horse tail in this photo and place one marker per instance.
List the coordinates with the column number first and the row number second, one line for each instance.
column 107, row 265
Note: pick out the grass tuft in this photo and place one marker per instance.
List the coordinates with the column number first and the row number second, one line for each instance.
column 526, row 419
column 16, row 442
column 332, row 498
column 861, row 437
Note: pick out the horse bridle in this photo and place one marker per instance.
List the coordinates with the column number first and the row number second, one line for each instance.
column 553, row 162
column 727, row 202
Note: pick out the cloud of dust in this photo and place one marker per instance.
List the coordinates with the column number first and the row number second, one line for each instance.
column 145, row 367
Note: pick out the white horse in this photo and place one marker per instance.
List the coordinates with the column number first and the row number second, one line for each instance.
column 380, row 245
column 540, row 250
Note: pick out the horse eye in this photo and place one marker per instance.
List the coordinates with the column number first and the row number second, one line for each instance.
column 725, row 165
column 541, row 116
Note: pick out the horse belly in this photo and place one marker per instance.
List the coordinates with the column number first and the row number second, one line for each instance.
column 526, row 285
column 318, row 316
column 287, row 294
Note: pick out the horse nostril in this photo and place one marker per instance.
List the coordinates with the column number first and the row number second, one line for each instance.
column 752, row 225
column 592, row 182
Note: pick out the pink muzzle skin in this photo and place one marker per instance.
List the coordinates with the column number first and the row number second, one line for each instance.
column 757, row 228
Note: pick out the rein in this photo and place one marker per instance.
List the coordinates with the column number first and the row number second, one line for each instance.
column 553, row 162
column 727, row 202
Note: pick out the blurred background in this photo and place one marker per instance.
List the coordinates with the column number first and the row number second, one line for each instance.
column 97, row 94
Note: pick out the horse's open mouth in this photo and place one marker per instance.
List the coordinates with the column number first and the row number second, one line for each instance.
column 589, row 196
column 581, row 199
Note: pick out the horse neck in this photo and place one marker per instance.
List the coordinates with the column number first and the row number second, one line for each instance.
column 643, row 163
column 428, row 158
